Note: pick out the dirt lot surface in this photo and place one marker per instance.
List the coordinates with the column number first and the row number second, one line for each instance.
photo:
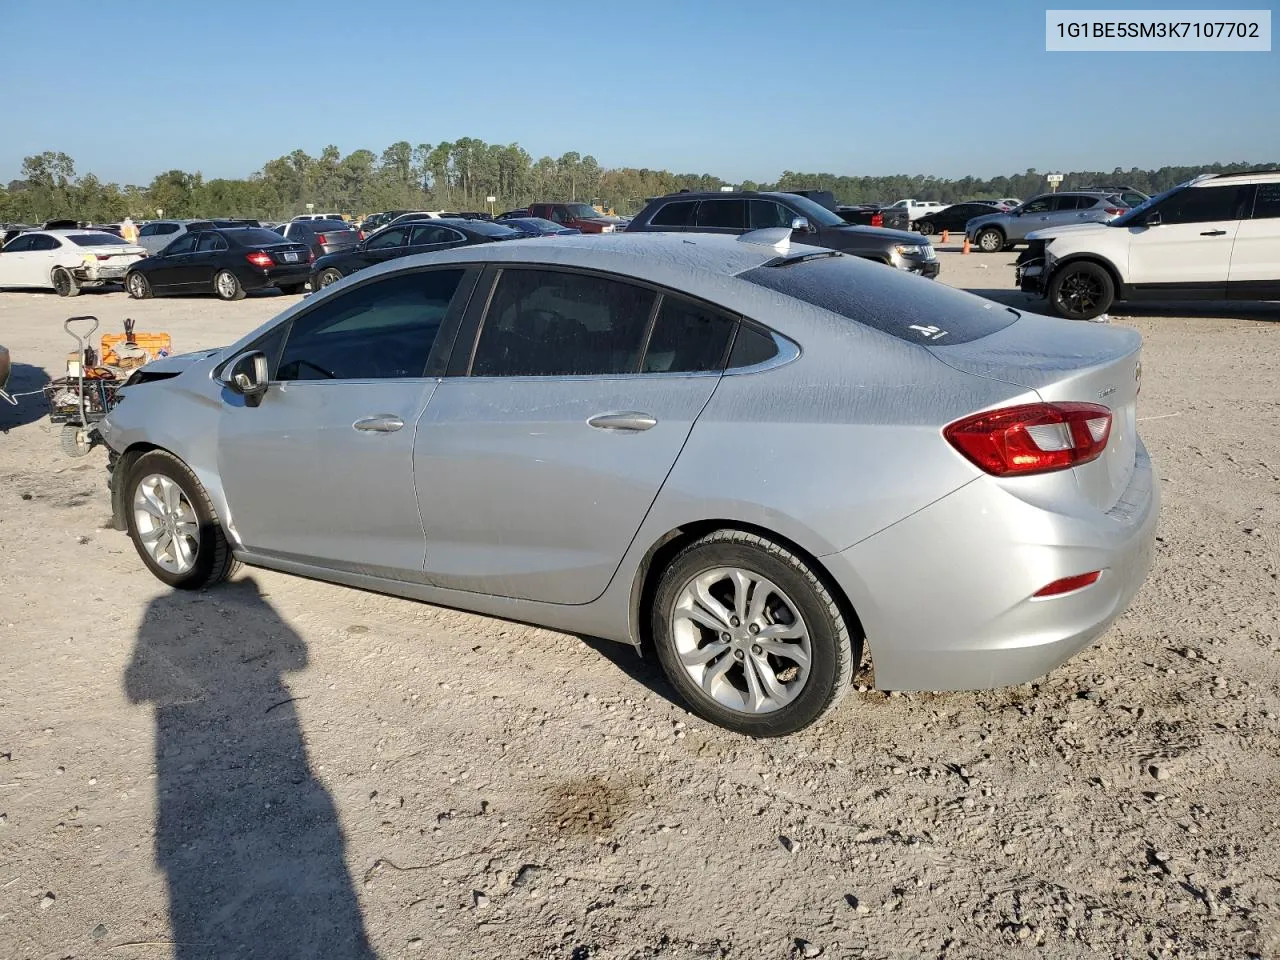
column 281, row 768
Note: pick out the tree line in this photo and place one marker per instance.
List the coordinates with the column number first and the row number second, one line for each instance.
column 462, row 174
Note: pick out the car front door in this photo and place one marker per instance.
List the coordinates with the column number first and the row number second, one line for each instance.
column 19, row 261
column 1032, row 215
column 384, row 246
column 1255, row 257
column 537, row 463
column 172, row 263
column 321, row 471
column 1189, row 249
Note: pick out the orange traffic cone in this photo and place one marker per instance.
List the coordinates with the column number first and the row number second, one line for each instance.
column 965, row 249
column 946, row 236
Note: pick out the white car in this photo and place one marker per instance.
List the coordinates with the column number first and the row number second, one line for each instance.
column 66, row 260
column 1216, row 237
column 916, row 209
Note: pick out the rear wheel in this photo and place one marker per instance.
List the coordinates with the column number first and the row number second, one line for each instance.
column 139, row 287
column 327, row 277
column 925, row 227
column 751, row 636
column 64, row 283
column 227, row 287
column 1081, row 291
column 172, row 524
column 990, row 240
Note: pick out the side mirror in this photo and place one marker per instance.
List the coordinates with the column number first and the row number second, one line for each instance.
column 1152, row 219
column 247, row 375
column 801, row 225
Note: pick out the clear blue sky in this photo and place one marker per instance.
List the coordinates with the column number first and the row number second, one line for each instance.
column 741, row 89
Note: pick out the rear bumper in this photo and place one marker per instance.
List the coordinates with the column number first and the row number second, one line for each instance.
column 290, row 274
column 945, row 596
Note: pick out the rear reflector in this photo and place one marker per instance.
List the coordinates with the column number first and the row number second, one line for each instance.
column 320, row 239
column 1115, row 211
column 1032, row 438
column 260, row 258
column 1068, row 584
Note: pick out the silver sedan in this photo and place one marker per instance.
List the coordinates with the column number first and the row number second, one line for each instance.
column 756, row 460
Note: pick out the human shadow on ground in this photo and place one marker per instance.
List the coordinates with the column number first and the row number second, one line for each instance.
column 247, row 837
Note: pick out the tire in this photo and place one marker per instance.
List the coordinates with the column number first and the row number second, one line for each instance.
column 326, row 278
column 138, row 286
column 990, row 240
column 925, row 228
column 291, row 289
column 202, row 563
column 796, row 591
column 227, row 286
column 75, row 441
column 1081, row 291
column 64, row 283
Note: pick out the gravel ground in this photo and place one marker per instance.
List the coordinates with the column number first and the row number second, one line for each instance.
column 282, row 768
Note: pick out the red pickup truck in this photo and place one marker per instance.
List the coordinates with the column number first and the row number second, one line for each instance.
column 583, row 216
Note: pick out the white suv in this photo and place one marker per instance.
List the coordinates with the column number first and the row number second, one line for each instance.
column 1216, row 237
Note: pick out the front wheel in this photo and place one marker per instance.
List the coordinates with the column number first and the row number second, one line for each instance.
column 172, row 524
column 991, row 240
column 64, row 283
column 1081, row 291
column 925, row 228
column 227, row 286
column 751, row 636
column 138, row 286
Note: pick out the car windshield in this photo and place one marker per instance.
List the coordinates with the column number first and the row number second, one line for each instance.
column 886, row 300
column 94, row 240
column 583, row 211
column 1138, row 212
column 815, row 212
column 540, row 223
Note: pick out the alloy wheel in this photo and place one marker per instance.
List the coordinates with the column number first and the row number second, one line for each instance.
column 1080, row 292
column 168, row 527
column 226, row 284
column 742, row 640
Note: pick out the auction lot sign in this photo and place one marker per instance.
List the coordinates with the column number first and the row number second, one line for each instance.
column 1182, row 31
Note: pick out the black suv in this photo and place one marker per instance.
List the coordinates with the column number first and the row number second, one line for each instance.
column 809, row 222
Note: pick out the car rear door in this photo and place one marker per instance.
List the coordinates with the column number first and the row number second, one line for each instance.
column 209, row 255
column 1255, row 256
column 728, row 215
column 1189, row 250
column 321, row 472
column 429, row 237
column 537, row 462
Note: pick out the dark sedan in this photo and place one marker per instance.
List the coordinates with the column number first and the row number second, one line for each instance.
column 228, row 262
column 321, row 236
column 953, row 217
column 402, row 240
column 538, row 227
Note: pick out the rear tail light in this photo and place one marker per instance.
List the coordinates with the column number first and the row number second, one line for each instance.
column 1069, row 584
column 359, row 234
column 1032, row 438
column 260, row 258
column 1115, row 211
column 877, row 220
column 321, row 239
column 104, row 256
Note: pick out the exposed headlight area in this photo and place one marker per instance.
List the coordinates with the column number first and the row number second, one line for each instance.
column 914, row 251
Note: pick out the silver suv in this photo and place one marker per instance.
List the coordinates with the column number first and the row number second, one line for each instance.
column 993, row 232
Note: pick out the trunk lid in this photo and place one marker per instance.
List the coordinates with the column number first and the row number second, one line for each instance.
column 1069, row 360
column 289, row 253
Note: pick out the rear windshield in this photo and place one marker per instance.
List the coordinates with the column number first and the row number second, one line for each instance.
column 94, row 240
column 909, row 308
column 254, row 236
column 326, row 226
column 485, row 228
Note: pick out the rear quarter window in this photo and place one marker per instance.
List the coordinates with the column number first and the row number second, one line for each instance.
column 888, row 300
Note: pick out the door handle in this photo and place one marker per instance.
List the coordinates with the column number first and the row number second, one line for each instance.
column 1213, row 233
column 384, row 423
column 630, row 421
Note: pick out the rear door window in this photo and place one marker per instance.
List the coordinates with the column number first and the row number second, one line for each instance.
column 688, row 338
column 885, row 300
column 184, row 244
column 547, row 323
column 678, row 214
column 429, row 234
column 722, row 214
column 388, row 239
column 210, row 243
column 378, row 331
column 1266, row 205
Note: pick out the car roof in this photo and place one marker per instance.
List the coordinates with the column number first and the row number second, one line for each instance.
column 694, row 262
column 1243, row 178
